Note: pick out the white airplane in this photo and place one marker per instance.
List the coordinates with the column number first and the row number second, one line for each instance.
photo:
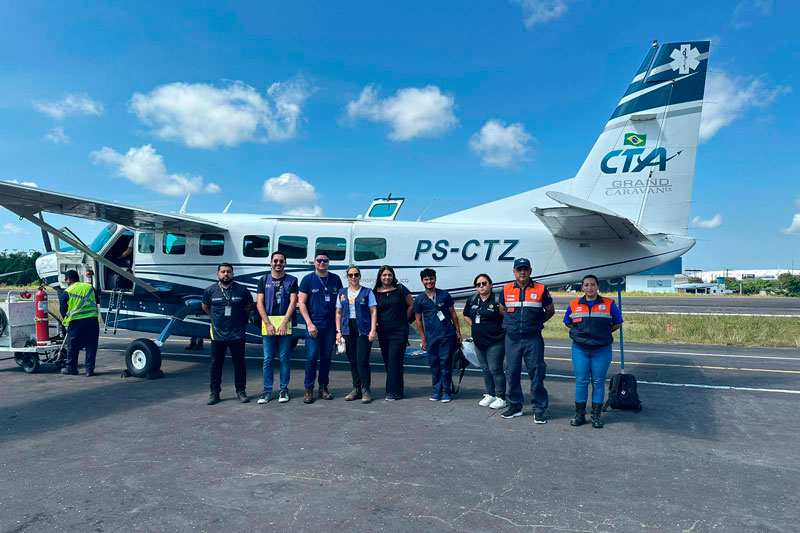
column 626, row 210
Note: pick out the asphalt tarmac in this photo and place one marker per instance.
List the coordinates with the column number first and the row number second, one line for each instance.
column 715, row 448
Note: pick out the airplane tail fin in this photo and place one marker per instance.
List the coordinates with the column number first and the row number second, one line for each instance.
column 642, row 165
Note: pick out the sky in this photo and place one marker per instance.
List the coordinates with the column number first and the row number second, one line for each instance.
column 451, row 104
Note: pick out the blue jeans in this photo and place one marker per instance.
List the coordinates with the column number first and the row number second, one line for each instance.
column 439, row 357
column 319, row 348
column 283, row 345
column 590, row 364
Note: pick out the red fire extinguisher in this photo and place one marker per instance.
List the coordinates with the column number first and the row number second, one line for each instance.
column 42, row 320
column 89, row 279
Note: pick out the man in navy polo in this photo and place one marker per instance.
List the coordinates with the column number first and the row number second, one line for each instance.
column 317, row 302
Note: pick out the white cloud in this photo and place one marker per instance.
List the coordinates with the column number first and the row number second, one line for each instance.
column 538, row 11
column 727, row 98
column 25, row 183
column 311, row 211
column 203, row 116
column 57, row 136
column 711, row 223
column 500, row 145
column 289, row 189
column 747, row 11
column 144, row 167
column 411, row 112
column 72, row 104
column 794, row 227
column 11, row 229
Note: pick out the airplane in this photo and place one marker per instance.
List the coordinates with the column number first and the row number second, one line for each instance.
column 625, row 211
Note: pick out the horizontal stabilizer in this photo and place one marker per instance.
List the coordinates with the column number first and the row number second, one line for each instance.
column 583, row 220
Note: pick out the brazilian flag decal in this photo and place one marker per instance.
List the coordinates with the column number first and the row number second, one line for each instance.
column 634, row 139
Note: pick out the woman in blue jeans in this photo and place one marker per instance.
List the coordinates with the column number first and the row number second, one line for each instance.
column 591, row 321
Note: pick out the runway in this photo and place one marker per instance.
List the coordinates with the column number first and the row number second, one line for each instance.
column 108, row 453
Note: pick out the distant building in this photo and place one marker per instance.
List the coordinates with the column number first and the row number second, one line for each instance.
column 659, row 279
column 701, row 288
column 710, row 276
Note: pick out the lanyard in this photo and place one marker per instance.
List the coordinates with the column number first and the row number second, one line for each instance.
column 226, row 295
column 324, row 283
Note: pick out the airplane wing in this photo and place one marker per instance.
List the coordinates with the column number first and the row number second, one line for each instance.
column 27, row 201
column 583, row 220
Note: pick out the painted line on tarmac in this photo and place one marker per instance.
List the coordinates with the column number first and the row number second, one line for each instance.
column 707, row 314
column 704, row 367
column 561, row 376
column 659, row 352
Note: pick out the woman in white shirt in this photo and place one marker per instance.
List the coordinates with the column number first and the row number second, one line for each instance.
column 356, row 321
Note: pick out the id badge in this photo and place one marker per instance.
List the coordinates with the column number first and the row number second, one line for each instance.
column 477, row 319
column 228, row 310
column 440, row 315
column 327, row 297
column 278, row 298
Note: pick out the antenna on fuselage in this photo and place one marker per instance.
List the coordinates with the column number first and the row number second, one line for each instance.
column 227, row 207
column 185, row 203
column 419, row 218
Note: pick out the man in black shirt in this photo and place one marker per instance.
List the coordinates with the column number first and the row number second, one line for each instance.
column 229, row 305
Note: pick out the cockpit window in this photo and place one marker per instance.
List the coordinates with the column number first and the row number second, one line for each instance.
column 102, row 238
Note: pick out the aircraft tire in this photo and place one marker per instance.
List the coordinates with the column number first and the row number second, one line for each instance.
column 30, row 363
column 18, row 357
column 142, row 358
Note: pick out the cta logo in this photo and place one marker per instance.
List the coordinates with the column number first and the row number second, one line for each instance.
column 613, row 159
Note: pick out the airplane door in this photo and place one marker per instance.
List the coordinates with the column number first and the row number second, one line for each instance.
column 68, row 258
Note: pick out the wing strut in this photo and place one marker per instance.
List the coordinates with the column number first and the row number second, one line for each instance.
column 88, row 251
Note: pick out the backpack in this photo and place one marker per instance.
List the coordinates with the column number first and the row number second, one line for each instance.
column 460, row 363
column 622, row 394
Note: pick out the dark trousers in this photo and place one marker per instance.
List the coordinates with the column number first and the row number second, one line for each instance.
column 358, row 348
column 491, row 359
column 440, row 358
column 82, row 334
column 218, row 351
column 530, row 349
column 393, row 350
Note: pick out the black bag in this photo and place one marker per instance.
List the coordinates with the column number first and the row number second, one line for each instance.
column 622, row 394
column 460, row 363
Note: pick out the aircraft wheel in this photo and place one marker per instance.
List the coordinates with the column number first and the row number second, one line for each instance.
column 30, row 363
column 142, row 357
column 18, row 357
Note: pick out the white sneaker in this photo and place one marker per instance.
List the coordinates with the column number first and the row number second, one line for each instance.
column 487, row 400
column 498, row 403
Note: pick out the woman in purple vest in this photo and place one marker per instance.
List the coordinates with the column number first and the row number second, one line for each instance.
column 356, row 318
column 591, row 321
column 276, row 300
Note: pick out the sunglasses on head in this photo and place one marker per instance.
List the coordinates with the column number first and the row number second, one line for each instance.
column 354, row 275
column 321, row 260
column 278, row 261
column 481, row 283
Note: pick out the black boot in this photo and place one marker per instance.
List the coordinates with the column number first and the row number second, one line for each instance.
column 580, row 414
column 596, row 408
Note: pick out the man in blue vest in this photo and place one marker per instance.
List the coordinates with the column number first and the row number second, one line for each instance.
column 276, row 300
column 317, row 302
column 78, row 306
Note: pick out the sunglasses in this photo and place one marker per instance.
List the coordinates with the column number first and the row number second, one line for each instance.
column 278, row 261
column 356, row 275
column 322, row 260
column 482, row 284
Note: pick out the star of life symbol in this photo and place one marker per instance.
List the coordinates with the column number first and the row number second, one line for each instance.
column 685, row 59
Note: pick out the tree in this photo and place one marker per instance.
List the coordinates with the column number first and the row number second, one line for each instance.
column 16, row 261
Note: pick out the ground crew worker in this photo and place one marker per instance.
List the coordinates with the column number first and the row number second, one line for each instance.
column 528, row 306
column 78, row 306
column 440, row 332
column 229, row 305
column 276, row 301
column 591, row 321
column 317, row 302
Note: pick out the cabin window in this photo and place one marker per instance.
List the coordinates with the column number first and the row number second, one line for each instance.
column 174, row 243
column 334, row 247
column 256, row 246
column 293, row 247
column 147, row 243
column 369, row 248
column 212, row 244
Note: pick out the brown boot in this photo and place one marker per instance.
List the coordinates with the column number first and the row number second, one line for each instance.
column 308, row 397
column 324, row 393
column 355, row 394
column 366, row 397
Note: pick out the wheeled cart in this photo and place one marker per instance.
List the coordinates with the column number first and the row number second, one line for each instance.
column 18, row 335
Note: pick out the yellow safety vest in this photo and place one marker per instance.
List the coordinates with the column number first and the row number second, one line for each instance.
column 82, row 302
